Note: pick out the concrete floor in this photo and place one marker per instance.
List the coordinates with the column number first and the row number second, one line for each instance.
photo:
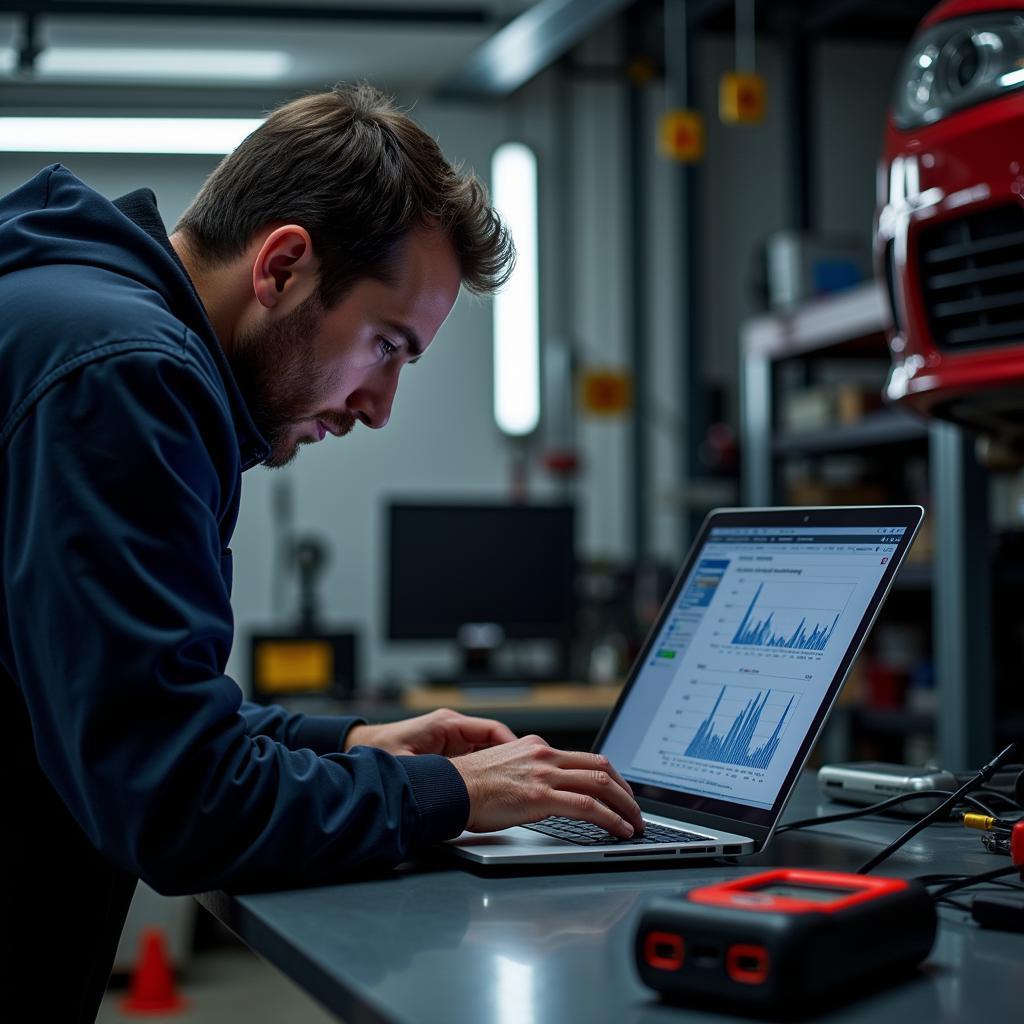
column 225, row 986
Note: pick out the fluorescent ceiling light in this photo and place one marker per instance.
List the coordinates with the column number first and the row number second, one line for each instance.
column 517, row 305
column 214, row 135
column 120, row 62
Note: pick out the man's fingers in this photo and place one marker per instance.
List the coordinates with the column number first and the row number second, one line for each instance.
column 455, row 734
column 582, row 759
column 514, row 782
column 588, row 808
column 464, row 735
column 613, row 772
column 601, row 786
column 484, row 731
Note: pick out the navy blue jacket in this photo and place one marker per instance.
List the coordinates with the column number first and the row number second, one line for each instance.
column 123, row 438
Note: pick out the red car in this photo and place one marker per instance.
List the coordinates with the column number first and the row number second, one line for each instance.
column 951, row 221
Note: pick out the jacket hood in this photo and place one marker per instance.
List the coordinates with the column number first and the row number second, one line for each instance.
column 54, row 218
column 57, row 221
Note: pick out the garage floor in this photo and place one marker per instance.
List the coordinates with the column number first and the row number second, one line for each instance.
column 226, row 985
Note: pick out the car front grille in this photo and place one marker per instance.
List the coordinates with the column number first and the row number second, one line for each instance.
column 890, row 286
column 972, row 272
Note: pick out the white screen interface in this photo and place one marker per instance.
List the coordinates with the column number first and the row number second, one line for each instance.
column 744, row 659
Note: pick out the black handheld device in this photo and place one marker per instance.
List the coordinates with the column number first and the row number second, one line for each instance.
column 783, row 940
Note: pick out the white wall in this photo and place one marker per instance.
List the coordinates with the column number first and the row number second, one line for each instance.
column 175, row 180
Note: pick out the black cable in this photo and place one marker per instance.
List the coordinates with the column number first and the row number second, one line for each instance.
column 827, row 819
column 942, row 879
column 1008, row 781
column 978, row 805
column 973, row 783
column 1006, row 776
column 995, row 794
column 985, row 876
column 965, row 908
column 931, row 880
column 964, row 881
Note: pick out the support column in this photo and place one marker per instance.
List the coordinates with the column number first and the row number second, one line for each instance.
column 638, row 146
column 681, row 94
column 756, row 426
column 796, row 53
column 962, row 601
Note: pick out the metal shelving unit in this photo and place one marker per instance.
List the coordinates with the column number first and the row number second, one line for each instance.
column 877, row 429
column 853, row 323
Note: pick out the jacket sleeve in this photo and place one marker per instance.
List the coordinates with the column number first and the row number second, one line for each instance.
column 120, row 625
column 323, row 734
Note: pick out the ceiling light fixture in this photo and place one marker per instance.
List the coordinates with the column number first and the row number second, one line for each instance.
column 155, row 64
column 163, row 63
column 517, row 305
column 177, row 135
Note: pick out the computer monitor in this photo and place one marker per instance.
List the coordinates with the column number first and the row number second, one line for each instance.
column 455, row 565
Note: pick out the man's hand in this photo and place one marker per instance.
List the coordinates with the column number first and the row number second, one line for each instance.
column 527, row 780
column 441, row 732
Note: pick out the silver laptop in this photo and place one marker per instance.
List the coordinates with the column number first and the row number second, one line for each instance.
column 733, row 684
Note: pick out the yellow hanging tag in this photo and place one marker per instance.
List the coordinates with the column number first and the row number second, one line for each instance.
column 606, row 392
column 682, row 135
column 741, row 98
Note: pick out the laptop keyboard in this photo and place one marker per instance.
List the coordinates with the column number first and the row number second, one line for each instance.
column 583, row 833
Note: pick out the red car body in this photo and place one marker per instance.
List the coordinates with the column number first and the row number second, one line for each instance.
column 950, row 242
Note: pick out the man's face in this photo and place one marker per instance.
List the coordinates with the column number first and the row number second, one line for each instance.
column 316, row 372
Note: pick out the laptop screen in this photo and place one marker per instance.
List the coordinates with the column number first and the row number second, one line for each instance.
column 753, row 643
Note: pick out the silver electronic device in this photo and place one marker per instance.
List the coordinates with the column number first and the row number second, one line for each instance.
column 869, row 782
column 733, row 685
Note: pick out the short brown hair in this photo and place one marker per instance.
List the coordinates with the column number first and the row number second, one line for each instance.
column 358, row 174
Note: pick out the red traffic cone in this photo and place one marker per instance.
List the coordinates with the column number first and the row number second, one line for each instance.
column 152, row 990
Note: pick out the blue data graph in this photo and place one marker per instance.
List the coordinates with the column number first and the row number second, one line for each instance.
column 737, row 745
column 761, row 632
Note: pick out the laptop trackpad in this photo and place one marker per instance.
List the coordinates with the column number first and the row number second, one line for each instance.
column 520, row 838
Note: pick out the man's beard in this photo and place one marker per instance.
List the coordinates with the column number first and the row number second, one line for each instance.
column 282, row 385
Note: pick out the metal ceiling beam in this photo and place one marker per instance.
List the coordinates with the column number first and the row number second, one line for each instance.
column 527, row 45
column 370, row 13
column 828, row 13
column 28, row 98
column 698, row 10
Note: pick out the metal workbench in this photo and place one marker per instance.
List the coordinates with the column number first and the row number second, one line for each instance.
column 435, row 943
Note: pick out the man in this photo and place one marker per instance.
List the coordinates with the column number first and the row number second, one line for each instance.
column 139, row 376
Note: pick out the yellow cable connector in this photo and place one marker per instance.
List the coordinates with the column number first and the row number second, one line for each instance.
column 982, row 822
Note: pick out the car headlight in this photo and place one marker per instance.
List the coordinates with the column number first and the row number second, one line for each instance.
column 959, row 63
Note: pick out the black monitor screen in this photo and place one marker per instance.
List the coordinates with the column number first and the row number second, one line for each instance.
column 513, row 565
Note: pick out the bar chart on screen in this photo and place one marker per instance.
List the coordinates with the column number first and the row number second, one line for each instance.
column 788, row 615
column 731, row 724
column 760, row 632
column 735, row 743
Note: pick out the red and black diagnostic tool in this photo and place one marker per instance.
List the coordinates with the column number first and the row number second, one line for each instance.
column 783, row 939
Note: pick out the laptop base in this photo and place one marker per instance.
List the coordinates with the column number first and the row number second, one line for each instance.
column 523, row 846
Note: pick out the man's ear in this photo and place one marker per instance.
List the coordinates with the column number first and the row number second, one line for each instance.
column 286, row 271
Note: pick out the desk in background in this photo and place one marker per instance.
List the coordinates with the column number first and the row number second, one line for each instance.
column 567, row 715
column 432, row 943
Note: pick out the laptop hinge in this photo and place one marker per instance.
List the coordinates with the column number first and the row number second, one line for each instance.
column 683, row 815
